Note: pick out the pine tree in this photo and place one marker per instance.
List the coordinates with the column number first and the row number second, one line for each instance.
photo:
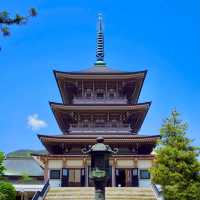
column 6, row 20
column 176, row 167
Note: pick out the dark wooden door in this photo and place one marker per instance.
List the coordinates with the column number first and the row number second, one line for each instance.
column 83, row 178
column 128, row 177
column 65, row 177
column 135, row 180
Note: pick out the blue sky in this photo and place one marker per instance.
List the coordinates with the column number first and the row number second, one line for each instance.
column 162, row 36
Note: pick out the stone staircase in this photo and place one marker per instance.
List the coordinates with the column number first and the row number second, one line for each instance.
column 71, row 193
column 112, row 193
column 129, row 193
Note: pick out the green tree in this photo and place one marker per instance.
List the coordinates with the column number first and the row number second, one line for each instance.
column 2, row 168
column 6, row 20
column 7, row 191
column 25, row 178
column 176, row 167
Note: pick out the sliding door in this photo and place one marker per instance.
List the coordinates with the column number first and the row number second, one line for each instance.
column 76, row 177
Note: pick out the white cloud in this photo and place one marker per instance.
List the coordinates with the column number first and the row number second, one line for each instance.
column 35, row 123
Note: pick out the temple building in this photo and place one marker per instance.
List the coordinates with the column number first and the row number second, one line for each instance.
column 96, row 102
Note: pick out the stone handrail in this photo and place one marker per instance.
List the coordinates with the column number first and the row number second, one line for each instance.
column 40, row 195
column 157, row 192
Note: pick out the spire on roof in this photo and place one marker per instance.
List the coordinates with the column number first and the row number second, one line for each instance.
column 100, row 42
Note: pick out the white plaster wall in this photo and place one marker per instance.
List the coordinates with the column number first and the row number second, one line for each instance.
column 55, row 183
column 125, row 164
column 55, row 164
column 144, row 183
column 144, row 164
column 75, row 163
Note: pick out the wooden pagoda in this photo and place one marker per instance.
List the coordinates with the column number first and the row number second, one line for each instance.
column 98, row 101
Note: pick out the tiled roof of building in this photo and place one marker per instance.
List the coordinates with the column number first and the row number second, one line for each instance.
column 100, row 69
column 17, row 166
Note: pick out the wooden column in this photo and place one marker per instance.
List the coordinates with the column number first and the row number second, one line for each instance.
column 25, row 196
column 86, row 171
column 93, row 88
column 113, row 172
column 108, row 123
column 46, row 169
column 22, row 196
column 79, row 122
column 82, row 88
column 135, row 163
column 117, row 89
column 64, row 163
column 106, row 90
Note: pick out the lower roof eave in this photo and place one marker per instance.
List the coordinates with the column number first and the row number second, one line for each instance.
column 57, row 156
column 113, row 141
column 92, row 138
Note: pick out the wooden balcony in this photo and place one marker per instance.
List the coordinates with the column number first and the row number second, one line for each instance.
column 106, row 127
column 96, row 100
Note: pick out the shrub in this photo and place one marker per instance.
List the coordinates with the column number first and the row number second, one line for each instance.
column 2, row 196
column 7, row 191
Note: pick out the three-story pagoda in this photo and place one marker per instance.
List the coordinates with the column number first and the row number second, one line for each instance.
column 96, row 102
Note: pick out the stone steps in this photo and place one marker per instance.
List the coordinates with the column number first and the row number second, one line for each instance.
column 129, row 193
column 88, row 193
column 71, row 193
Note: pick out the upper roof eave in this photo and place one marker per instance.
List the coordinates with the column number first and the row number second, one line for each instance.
column 83, row 73
column 86, row 75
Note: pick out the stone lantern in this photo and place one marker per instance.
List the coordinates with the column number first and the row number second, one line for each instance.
column 100, row 154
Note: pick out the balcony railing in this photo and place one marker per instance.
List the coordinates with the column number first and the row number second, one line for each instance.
column 100, row 127
column 96, row 100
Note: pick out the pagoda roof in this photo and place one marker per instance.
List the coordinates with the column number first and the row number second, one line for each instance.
column 65, row 79
column 63, row 112
column 50, row 141
column 104, row 71
column 100, row 69
column 95, row 107
column 106, row 137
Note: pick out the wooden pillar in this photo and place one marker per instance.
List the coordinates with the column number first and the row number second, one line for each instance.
column 46, row 169
column 86, row 171
column 135, row 163
column 117, row 89
column 113, row 172
column 64, row 163
column 121, row 118
column 106, row 90
column 79, row 121
column 22, row 196
column 25, row 196
column 93, row 96
column 92, row 120
column 82, row 88
column 108, row 120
